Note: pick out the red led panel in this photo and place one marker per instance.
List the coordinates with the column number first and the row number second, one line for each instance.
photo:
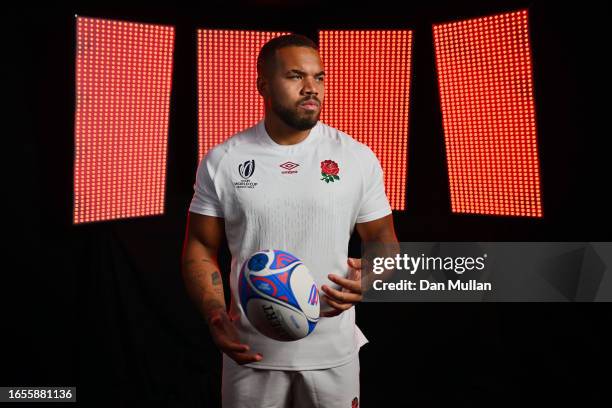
column 123, row 81
column 227, row 83
column 486, row 90
column 367, row 94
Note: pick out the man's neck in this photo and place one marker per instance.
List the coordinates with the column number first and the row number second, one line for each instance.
column 281, row 133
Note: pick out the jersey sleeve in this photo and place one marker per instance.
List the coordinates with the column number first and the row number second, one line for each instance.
column 374, row 203
column 205, row 199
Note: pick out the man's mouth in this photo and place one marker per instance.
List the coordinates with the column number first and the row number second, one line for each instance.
column 310, row 105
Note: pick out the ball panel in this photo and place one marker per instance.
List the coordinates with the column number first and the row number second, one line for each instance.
column 264, row 284
column 311, row 326
column 275, row 286
column 305, row 291
column 282, row 259
column 258, row 262
column 277, row 321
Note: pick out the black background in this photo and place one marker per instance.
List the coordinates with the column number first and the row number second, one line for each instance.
column 102, row 306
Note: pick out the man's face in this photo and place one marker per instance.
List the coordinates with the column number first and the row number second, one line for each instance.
column 294, row 88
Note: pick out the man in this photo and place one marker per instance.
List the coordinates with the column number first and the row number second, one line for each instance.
column 293, row 183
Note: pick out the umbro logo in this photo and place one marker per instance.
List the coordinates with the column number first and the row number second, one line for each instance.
column 289, row 167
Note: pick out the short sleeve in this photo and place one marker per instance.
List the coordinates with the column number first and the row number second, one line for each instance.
column 205, row 199
column 374, row 203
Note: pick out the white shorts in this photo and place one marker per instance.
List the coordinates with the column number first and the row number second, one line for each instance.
column 245, row 387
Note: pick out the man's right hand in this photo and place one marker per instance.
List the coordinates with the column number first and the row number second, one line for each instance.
column 225, row 336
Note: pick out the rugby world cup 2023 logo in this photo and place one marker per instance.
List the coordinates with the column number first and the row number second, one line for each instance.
column 246, row 170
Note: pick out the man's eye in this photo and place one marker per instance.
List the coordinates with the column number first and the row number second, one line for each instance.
column 295, row 76
column 321, row 79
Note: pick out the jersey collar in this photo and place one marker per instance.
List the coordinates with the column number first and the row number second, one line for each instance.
column 265, row 138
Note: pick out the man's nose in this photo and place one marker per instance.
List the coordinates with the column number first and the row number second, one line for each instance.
column 309, row 87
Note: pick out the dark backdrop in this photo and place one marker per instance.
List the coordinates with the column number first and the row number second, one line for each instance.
column 102, row 306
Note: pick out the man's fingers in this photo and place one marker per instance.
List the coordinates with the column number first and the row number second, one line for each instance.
column 215, row 320
column 341, row 297
column 346, row 284
column 228, row 345
column 350, row 293
column 337, row 305
column 352, row 285
column 227, row 340
column 355, row 263
column 244, row 358
column 331, row 313
column 226, row 337
column 355, row 275
column 354, row 269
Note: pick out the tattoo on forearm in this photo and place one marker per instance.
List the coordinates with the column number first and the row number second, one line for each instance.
column 216, row 278
column 210, row 305
column 203, row 283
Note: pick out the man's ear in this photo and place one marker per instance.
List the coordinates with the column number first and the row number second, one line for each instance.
column 262, row 86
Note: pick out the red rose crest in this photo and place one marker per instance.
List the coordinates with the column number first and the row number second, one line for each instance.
column 329, row 171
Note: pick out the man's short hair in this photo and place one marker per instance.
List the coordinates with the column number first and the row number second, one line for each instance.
column 268, row 51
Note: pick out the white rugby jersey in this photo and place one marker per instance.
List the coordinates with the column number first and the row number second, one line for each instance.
column 277, row 197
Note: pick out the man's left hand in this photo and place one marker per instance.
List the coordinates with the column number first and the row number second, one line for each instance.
column 350, row 292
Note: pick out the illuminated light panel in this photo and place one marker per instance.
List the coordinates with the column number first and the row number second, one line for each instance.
column 227, row 84
column 123, row 82
column 486, row 90
column 367, row 95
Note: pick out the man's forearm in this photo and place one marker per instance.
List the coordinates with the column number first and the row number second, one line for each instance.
column 204, row 285
column 383, row 245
